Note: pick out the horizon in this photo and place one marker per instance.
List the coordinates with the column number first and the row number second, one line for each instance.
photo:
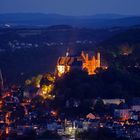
column 59, row 14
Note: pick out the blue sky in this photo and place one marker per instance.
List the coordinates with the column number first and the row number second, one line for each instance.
column 71, row 7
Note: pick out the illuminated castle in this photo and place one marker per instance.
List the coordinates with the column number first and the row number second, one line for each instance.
column 91, row 62
column 86, row 61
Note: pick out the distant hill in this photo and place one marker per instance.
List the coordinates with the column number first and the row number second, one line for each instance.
column 107, row 16
column 130, row 36
column 56, row 34
column 95, row 21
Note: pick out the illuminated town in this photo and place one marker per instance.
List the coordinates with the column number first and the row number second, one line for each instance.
column 69, row 70
column 36, row 108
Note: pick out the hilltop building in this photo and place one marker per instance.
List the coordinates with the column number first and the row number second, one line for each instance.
column 91, row 62
column 87, row 61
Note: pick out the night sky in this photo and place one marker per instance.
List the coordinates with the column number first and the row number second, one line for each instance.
column 71, row 7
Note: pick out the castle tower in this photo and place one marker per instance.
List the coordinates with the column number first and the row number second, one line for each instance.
column 98, row 60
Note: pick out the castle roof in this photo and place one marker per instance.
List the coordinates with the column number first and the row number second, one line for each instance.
column 71, row 61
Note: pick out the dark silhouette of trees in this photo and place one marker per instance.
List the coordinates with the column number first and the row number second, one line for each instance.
column 110, row 83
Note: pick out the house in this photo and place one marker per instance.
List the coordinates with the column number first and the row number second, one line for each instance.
column 113, row 101
column 135, row 108
column 134, row 116
column 122, row 113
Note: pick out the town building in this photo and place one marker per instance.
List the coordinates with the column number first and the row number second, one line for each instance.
column 135, row 108
column 113, row 101
column 122, row 113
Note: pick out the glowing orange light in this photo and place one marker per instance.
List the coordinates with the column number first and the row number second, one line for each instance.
column 54, row 113
column 7, row 130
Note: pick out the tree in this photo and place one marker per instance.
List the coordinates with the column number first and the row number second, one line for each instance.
column 99, row 107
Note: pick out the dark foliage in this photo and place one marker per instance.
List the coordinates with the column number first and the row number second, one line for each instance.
column 101, row 134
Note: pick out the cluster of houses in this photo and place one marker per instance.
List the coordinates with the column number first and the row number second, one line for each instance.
column 129, row 110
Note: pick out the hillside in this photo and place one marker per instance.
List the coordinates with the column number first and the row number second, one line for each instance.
column 27, row 52
column 60, row 35
column 131, row 36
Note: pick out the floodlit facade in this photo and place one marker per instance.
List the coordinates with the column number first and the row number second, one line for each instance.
column 62, row 69
column 91, row 62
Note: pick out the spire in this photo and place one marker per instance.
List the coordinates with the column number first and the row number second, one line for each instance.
column 98, row 59
column 68, row 52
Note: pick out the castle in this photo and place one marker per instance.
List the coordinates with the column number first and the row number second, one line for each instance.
column 87, row 61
